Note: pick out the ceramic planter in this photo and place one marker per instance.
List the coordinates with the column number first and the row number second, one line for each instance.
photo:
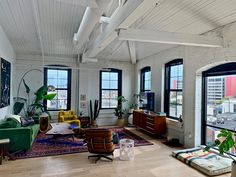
column 120, row 122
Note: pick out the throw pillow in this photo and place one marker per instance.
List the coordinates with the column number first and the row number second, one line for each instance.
column 26, row 121
column 16, row 117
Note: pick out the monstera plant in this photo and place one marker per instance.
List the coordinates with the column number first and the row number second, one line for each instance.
column 35, row 107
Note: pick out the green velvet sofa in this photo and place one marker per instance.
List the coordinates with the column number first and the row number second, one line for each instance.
column 21, row 138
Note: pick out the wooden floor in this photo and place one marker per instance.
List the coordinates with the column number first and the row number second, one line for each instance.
column 150, row 161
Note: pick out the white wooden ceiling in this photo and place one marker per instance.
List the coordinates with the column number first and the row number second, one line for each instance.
column 57, row 20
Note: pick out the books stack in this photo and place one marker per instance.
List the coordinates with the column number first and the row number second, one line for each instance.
column 161, row 113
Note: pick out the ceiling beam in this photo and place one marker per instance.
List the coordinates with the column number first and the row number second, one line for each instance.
column 142, row 35
column 125, row 16
column 85, row 3
column 132, row 51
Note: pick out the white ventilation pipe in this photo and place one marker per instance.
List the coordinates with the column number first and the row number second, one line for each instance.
column 90, row 19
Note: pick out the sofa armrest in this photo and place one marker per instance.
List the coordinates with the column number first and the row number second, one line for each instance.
column 20, row 138
column 74, row 117
column 61, row 119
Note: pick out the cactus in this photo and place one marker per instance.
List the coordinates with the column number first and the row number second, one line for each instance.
column 94, row 112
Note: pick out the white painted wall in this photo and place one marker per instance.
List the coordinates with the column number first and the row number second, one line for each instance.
column 89, row 85
column 84, row 80
column 7, row 52
column 157, row 62
column 34, row 79
column 196, row 60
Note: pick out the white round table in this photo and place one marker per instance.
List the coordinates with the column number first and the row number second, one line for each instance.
column 126, row 149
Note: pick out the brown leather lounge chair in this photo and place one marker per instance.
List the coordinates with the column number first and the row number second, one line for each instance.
column 100, row 142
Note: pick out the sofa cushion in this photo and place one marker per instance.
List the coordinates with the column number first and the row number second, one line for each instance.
column 8, row 124
column 207, row 162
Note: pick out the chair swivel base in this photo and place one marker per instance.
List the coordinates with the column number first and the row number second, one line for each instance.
column 99, row 156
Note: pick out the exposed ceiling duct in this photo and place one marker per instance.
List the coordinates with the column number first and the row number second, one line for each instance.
column 90, row 19
column 123, row 17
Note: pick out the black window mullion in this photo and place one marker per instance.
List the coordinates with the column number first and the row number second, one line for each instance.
column 68, row 89
column 119, row 86
column 142, row 78
column 220, row 70
column 168, row 89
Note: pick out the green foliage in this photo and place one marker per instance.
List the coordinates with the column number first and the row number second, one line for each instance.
column 134, row 101
column 18, row 106
column 224, row 142
column 37, row 106
column 94, row 112
column 119, row 111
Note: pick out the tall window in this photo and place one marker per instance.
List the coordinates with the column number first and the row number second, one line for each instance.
column 173, row 88
column 61, row 79
column 219, row 100
column 110, row 88
column 145, row 79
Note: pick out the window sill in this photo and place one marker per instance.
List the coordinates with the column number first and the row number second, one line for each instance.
column 172, row 122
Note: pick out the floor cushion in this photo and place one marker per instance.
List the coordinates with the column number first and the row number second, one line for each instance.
column 208, row 162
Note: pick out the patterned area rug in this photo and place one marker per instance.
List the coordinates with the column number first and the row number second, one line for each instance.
column 45, row 145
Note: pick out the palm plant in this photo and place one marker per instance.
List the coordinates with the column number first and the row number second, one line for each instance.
column 37, row 106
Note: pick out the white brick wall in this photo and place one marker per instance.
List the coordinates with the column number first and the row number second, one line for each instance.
column 196, row 60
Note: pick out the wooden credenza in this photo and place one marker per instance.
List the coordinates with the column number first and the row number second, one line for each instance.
column 151, row 123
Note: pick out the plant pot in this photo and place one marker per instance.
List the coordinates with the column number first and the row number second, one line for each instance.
column 130, row 119
column 233, row 172
column 44, row 125
column 120, row 122
column 94, row 123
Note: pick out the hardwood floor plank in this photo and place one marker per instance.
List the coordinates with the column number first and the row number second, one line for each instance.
column 150, row 161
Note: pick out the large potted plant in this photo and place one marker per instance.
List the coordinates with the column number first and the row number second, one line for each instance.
column 225, row 141
column 36, row 107
column 119, row 111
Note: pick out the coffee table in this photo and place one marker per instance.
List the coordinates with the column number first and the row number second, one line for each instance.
column 60, row 129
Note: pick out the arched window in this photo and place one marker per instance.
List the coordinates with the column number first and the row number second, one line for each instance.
column 145, row 80
column 219, row 101
column 58, row 76
column 110, row 88
column 173, row 88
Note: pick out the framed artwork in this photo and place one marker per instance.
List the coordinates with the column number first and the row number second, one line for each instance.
column 83, row 97
column 5, row 76
column 83, row 105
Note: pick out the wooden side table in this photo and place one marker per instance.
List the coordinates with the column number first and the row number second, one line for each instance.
column 3, row 148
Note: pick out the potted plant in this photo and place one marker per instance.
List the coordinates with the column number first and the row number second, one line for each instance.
column 225, row 141
column 36, row 107
column 94, row 113
column 119, row 111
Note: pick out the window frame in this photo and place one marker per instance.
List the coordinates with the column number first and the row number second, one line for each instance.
column 142, row 78
column 119, row 72
column 167, row 88
column 60, row 67
column 219, row 70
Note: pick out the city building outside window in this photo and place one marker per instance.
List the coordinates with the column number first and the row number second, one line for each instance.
column 219, row 100
column 173, row 88
column 61, row 79
column 110, row 88
column 145, row 80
